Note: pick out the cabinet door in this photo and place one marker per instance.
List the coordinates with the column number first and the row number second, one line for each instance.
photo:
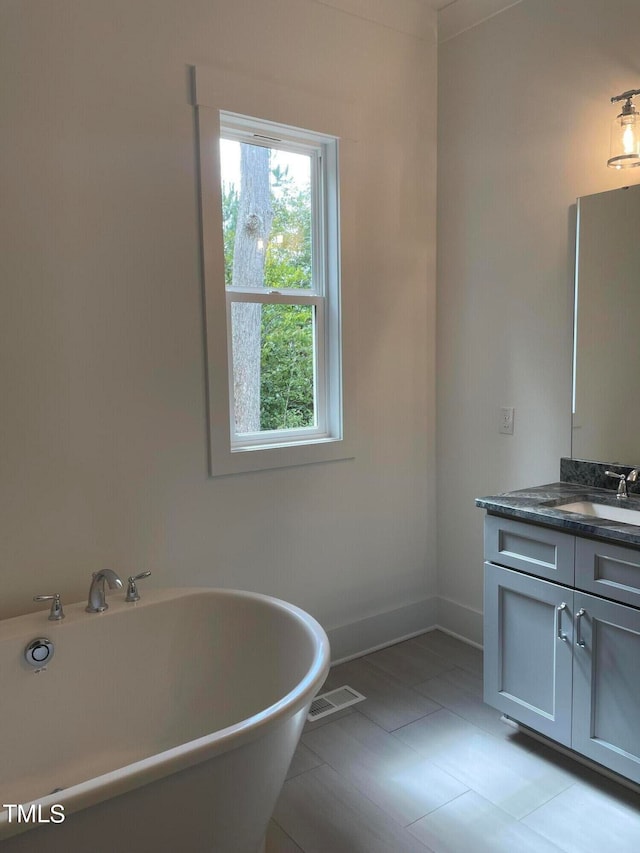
column 528, row 635
column 606, row 684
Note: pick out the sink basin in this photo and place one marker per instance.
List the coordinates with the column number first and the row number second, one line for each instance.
column 613, row 513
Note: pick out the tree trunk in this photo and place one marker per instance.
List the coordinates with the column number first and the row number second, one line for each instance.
column 252, row 232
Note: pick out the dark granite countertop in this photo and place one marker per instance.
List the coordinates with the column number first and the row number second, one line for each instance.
column 540, row 504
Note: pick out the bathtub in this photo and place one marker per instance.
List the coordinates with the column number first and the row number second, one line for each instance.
column 163, row 725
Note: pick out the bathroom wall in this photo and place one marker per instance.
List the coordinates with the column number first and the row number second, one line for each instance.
column 523, row 129
column 103, row 436
column 102, row 431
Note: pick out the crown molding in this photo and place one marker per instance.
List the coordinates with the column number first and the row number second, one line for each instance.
column 461, row 15
column 414, row 17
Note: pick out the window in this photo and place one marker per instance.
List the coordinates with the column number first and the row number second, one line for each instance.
column 280, row 386
column 279, row 207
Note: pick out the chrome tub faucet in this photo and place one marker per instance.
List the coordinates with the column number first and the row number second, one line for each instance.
column 97, row 599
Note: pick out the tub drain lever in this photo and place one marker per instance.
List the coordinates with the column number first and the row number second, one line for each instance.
column 39, row 652
column 132, row 589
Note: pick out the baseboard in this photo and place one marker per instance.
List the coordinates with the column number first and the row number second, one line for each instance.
column 383, row 629
column 461, row 621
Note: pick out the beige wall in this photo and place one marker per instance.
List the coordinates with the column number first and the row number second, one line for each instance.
column 524, row 119
column 101, row 362
column 103, row 441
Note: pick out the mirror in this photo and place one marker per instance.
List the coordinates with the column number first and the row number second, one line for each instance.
column 606, row 362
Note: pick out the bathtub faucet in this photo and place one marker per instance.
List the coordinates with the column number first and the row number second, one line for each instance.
column 97, row 602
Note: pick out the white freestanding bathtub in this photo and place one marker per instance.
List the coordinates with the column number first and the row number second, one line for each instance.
column 163, row 726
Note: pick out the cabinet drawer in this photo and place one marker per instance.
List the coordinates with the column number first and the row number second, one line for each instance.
column 539, row 551
column 612, row 571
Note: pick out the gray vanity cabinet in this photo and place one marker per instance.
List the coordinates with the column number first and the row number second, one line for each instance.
column 562, row 661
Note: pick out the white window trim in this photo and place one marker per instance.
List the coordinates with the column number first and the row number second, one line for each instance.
column 216, row 92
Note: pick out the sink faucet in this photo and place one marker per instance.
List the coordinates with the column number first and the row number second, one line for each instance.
column 623, row 479
column 97, row 602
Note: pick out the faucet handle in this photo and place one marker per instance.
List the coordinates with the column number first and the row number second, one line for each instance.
column 56, row 613
column 632, row 476
column 622, row 484
column 132, row 589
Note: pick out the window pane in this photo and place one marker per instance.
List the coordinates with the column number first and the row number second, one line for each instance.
column 273, row 366
column 266, row 216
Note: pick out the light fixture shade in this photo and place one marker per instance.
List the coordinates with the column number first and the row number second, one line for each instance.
column 625, row 139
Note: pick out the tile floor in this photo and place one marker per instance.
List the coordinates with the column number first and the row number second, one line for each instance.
column 424, row 765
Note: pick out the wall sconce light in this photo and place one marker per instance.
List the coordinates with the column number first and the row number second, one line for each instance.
column 625, row 134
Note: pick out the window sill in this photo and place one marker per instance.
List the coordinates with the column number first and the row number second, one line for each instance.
column 260, row 457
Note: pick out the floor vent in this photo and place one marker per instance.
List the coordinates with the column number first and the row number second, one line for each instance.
column 334, row 700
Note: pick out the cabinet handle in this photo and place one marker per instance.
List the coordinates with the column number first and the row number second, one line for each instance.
column 559, row 632
column 579, row 615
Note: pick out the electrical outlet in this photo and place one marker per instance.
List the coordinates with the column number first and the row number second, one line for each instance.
column 506, row 420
